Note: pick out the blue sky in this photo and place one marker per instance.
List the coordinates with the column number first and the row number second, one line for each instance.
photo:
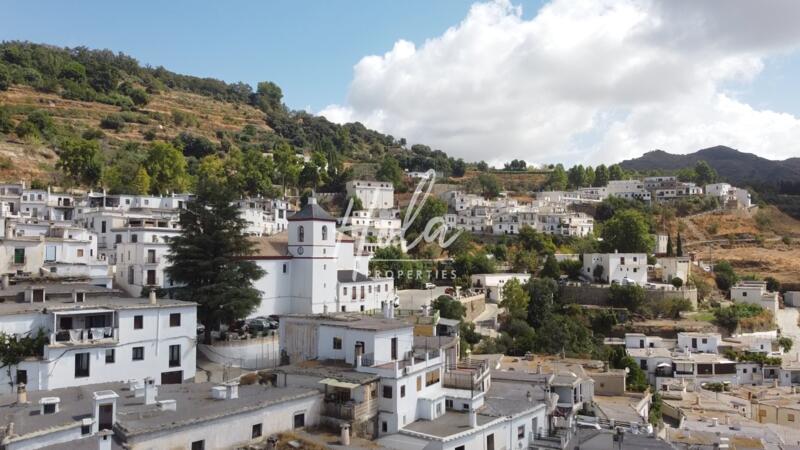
column 307, row 47
column 573, row 81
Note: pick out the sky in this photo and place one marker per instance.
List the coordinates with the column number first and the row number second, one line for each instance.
column 571, row 81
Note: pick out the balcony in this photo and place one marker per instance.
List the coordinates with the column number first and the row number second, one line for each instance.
column 152, row 260
column 84, row 336
column 18, row 261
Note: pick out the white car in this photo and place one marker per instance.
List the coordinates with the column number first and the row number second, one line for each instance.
column 430, row 286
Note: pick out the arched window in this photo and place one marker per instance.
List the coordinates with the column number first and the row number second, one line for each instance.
column 301, row 234
column 324, row 232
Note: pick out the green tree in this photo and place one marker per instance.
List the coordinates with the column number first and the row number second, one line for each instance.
column 563, row 333
column 166, row 166
column 449, row 308
column 724, row 275
column 489, row 185
column 5, row 79
column 140, row 184
column 482, row 166
column 515, row 300
column 615, row 172
column 530, row 239
column 287, row 164
column 543, row 300
column 679, row 250
column 786, row 343
column 557, row 179
column 206, row 260
column 627, row 232
column 670, row 250
column 389, row 170
column 773, row 284
column 705, row 173
column 551, row 268
column 601, row 176
column 257, row 173
column 628, row 296
column 80, row 160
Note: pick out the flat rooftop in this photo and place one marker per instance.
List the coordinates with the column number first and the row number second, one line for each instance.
column 348, row 320
column 194, row 405
column 447, row 425
column 8, row 307
column 328, row 368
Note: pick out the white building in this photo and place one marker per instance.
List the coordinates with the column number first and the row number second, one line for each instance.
column 628, row 189
column 616, row 267
column 493, row 283
column 729, row 196
column 674, row 267
column 264, row 216
column 311, row 269
column 699, row 342
column 191, row 416
column 373, row 194
column 141, row 250
column 756, row 293
column 93, row 336
column 376, row 228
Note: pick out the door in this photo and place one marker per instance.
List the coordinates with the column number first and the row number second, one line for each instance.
column 174, row 377
column 151, row 277
column 694, row 342
column 394, row 348
column 106, row 421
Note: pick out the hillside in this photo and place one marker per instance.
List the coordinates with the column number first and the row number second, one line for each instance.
column 739, row 168
column 53, row 98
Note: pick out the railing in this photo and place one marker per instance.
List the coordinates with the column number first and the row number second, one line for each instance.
column 83, row 335
column 152, row 260
column 343, row 411
column 17, row 261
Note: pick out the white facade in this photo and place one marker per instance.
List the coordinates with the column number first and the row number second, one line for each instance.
column 493, row 283
column 628, row 189
column 616, row 267
column 141, row 256
column 699, row 342
column 373, row 194
column 674, row 267
column 93, row 338
column 312, row 269
column 264, row 216
column 756, row 293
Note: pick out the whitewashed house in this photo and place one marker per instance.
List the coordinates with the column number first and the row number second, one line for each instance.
column 674, row 267
column 94, row 336
column 141, row 247
column 373, row 194
column 756, row 293
column 492, row 283
column 616, row 267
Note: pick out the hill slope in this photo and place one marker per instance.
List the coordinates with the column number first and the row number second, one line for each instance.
column 736, row 167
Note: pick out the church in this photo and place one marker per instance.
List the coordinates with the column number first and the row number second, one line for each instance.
column 311, row 268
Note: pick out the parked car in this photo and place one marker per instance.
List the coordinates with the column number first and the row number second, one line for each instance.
column 430, row 286
column 258, row 324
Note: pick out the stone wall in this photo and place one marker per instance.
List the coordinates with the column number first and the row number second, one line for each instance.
column 598, row 295
column 475, row 305
column 255, row 353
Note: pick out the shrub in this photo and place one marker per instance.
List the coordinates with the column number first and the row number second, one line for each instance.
column 112, row 122
column 5, row 79
column 92, row 134
column 677, row 282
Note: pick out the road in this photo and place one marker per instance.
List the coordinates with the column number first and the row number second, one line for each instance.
column 787, row 321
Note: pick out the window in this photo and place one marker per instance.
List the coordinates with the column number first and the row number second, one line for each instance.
column 432, row 377
column 256, row 431
column 80, row 253
column 175, row 355
column 394, row 348
column 362, row 292
column 19, row 256
column 138, row 353
column 385, row 429
column 402, row 391
column 705, row 341
column 344, row 291
column 134, row 238
column 131, row 274
column 199, row 445
column 419, row 383
column 118, row 239
column 301, row 234
column 521, row 432
column 175, row 319
column 299, row 420
column 387, row 392
column 284, row 268
column 138, row 322
column 337, row 343
column 460, row 447
column 22, row 376
column 103, row 226
column 324, row 232
column 81, row 365
column 110, row 356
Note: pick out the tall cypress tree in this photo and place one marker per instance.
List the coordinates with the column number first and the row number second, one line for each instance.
column 680, row 245
column 670, row 251
column 206, row 259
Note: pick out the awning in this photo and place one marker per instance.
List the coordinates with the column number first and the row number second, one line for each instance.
column 664, row 364
column 340, row 384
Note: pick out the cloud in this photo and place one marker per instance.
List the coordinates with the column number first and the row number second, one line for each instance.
column 582, row 81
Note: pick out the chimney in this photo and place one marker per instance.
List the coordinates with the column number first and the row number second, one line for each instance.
column 150, row 391
column 104, row 439
column 218, row 392
column 345, row 435
column 232, row 390
column 539, row 368
column 714, row 422
column 4, row 282
column 152, row 297
column 473, row 417
column 101, row 399
column 49, row 405
column 775, row 383
column 358, row 360
column 22, row 394
column 529, row 396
